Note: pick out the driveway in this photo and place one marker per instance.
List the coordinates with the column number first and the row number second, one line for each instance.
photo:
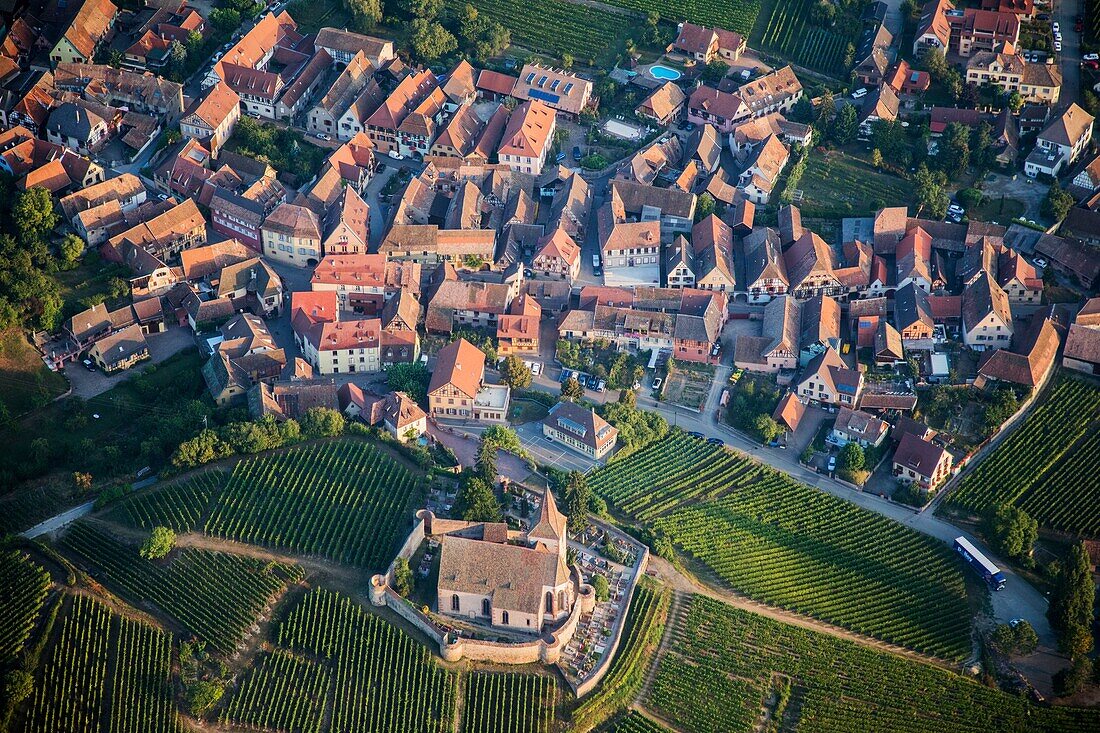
column 88, row 384
column 1024, row 189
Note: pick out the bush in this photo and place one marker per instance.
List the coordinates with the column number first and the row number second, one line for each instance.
column 322, row 422
column 202, row 696
column 603, row 591
column 402, row 577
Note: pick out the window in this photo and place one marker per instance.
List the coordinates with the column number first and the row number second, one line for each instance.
column 504, row 617
column 549, row 602
column 454, row 602
column 486, row 608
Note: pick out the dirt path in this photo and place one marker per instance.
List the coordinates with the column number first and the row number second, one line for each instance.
column 682, row 582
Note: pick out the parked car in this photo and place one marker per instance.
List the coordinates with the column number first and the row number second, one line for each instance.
column 716, row 348
column 89, row 365
column 656, row 384
column 859, row 93
column 324, row 136
column 577, row 154
column 395, row 155
column 736, row 375
column 1058, row 46
column 1091, row 57
column 1040, row 262
column 1055, row 27
column 688, row 126
column 832, row 463
column 695, row 434
column 1094, row 65
column 560, row 156
column 715, row 441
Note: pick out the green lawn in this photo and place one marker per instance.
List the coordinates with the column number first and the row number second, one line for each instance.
column 92, row 281
column 525, row 411
column 1001, row 209
column 838, row 184
column 25, row 381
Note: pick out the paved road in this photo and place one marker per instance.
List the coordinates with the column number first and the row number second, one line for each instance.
column 1070, row 58
column 59, row 521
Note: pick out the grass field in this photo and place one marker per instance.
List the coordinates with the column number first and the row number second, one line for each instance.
column 1048, row 465
column 724, row 663
column 786, row 544
column 840, row 184
column 26, row 382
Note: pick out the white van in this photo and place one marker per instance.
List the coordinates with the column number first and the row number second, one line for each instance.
column 859, row 93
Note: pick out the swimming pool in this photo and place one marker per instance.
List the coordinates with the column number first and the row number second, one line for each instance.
column 663, row 72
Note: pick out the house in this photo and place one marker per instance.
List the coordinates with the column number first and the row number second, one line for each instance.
column 571, row 207
column 986, row 315
column 913, row 316
column 460, row 87
column 292, row 234
column 518, row 329
column 418, row 129
column 212, row 121
column 139, row 92
column 127, row 191
column 427, row 244
column 580, row 429
column 645, row 165
column 664, row 105
column 341, row 347
column 882, row 104
column 819, row 327
column 724, row 110
column 975, row 30
column 468, row 303
column 1028, row 360
column 697, row 327
column 778, row 91
column 512, row 580
column 764, row 266
column 494, row 86
column 1061, row 143
column 347, row 225
column 76, row 128
column 1038, row 83
column 328, row 113
column 291, row 400
column 457, row 389
column 750, row 134
column 562, row 91
column 1082, row 351
column 527, row 138
column 712, row 249
column 827, row 380
column 933, row 28
column 777, row 349
column 175, row 228
column 706, row 44
column 810, row 267
column 906, row 82
column 888, row 345
column 788, row 413
column 1018, row 278
column 364, row 283
column 916, row 460
column 382, row 124
column 856, row 426
column 90, row 27
column 120, row 350
column 557, row 255
column 914, row 260
column 758, row 180
column 342, row 46
column 630, row 250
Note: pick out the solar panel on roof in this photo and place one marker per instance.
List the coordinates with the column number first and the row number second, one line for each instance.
column 554, row 85
column 567, row 88
column 542, row 80
column 572, row 426
column 544, row 96
column 530, row 77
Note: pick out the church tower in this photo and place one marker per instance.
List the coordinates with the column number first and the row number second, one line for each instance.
column 549, row 531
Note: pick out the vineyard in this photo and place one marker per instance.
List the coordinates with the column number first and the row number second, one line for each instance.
column 345, row 501
column 283, row 692
column 179, row 506
column 786, row 544
column 737, row 16
column 1045, row 465
column 385, row 681
column 790, row 34
column 554, row 27
column 104, row 673
column 645, row 624
column 23, row 586
column 635, row 722
column 217, row 597
column 508, row 703
column 721, row 666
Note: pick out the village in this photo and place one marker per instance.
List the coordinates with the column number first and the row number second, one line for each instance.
column 866, row 272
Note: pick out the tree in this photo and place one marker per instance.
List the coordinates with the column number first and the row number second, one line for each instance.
column 969, row 198
column 981, row 147
column 935, row 63
column 71, row 249
column 412, row 379
column 876, row 158
column 803, row 110
column 1016, row 101
column 225, row 20
column 853, row 458
column 931, row 198
column 487, row 462
column 953, row 83
column 1071, row 602
column 571, row 389
column 766, row 428
column 33, row 216
column 846, row 125
column 159, row 543
column 515, row 373
column 1073, row 678
column 205, row 447
column 476, row 502
column 18, row 686
column 577, row 499
column 1026, row 639
column 430, row 40
column 322, row 422
column 602, row 589
column 1011, row 531
column 569, row 354
column 402, row 577
column 714, row 72
column 953, row 157
column 704, row 206
column 177, row 59
column 364, row 13
column 1057, row 203
column 826, row 110
column 82, row 481
column 823, row 13
column 502, row 438
column 567, row 61
column 203, row 695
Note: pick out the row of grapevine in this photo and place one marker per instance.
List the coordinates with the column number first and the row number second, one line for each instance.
column 346, row 501
column 23, row 588
column 784, row 543
column 635, row 722
column 732, row 16
column 216, row 596
column 554, row 27
column 645, row 623
column 104, row 673
column 718, row 671
column 790, row 34
column 385, row 681
column 284, row 692
column 178, row 505
column 1047, row 464
column 508, row 703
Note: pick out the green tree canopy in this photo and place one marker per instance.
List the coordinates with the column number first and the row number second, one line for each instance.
column 1011, row 531
column 365, row 14
column 159, row 543
column 1071, row 601
column 1057, row 203
column 853, row 458
column 601, row 587
column 515, row 373
column 476, row 502
column 571, row 389
column 577, row 501
column 322, row 422
column 402, row 577
column 430, row 40
column 846, row 125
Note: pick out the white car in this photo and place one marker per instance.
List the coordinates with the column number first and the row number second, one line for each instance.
column 859, row 93
column 395, row 155
column 1091, row 57
column 657, row 383
column 1040, row 262
column 1058, row 46
column 1055, row 27
column 1058, row 36
column 323, row 136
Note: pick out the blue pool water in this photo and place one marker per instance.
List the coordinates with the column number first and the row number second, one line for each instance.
column 663, row 72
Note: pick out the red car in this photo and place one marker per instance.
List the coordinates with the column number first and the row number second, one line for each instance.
column 1092, row 65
